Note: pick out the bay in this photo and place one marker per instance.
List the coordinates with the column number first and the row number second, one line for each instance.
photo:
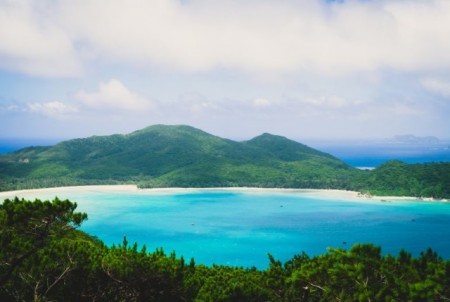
column 240, row 228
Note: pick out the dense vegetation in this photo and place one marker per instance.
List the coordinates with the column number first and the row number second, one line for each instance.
column 43, row 257
column 400, row 179
column 182, row 156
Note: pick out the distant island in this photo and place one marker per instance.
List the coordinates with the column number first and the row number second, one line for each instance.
column 412, row 139
column 183, row 156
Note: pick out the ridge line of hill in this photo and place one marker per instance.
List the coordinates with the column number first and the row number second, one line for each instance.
column 184, row 156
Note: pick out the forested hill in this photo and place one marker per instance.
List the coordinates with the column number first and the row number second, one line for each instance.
column 183, row 156
column 175, row 156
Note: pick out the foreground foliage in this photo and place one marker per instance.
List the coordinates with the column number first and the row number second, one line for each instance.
column 44, row 258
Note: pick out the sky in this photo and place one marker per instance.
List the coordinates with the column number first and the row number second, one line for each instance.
column 305, row 69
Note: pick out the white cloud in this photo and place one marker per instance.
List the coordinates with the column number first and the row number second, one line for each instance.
column 203, row 107
column 33, row 44
column 253, row 36
column 269, row 36
column 399, row 110
column 113, row 95
column 261, row 103
column 195, row 103
column 330, row 101
column 437, row 86
column 256, row 64
column 12, row 108
column 53, row 109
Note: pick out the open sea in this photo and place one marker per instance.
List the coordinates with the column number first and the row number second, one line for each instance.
column 241, row 228
column 372, row 154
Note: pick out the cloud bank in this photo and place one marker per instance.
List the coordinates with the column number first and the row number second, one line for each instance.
column 54, row 109
column 113, row 95
column 33, row 44
column 437, row 86
column 61, row 38
column 235, row 68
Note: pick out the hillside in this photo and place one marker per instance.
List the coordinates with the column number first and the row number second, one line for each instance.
column 173, row 156
column 183, row 156
column 395, row 178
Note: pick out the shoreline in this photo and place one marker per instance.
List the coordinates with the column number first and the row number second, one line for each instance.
column 327, row 193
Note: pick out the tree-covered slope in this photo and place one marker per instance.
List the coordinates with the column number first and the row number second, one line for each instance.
column 396, row 178
column 174, row 156
column 183, row 156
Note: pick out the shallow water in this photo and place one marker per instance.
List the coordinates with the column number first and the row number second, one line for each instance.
column 240, row 228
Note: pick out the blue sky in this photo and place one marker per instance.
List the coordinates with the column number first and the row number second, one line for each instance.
column 305, row 69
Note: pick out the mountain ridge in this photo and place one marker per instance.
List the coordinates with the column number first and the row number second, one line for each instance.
column 184, row 156
column 175, row 150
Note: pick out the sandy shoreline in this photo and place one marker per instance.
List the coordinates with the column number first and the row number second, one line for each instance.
column 133, row 188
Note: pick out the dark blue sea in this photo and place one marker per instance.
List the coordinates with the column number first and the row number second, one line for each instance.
column 372, row 154
column 8, row 145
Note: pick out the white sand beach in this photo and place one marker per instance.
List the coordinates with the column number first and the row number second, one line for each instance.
column 56, row 190
column 320, row 193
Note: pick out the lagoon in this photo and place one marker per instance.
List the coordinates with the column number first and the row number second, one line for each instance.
column 240, row 227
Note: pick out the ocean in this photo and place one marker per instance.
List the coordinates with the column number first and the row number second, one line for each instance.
column 372, row 154
column 241, row 228
column 8, row 145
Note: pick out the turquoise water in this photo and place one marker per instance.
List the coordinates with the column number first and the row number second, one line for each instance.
column 239, row 229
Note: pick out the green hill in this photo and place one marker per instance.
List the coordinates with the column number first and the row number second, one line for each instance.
column 396, row 178
column 173, row 156
column 183, row 156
